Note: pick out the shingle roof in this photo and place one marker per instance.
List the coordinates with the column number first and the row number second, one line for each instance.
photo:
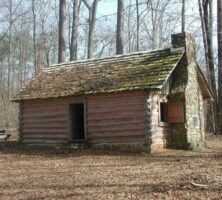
column 141, row 70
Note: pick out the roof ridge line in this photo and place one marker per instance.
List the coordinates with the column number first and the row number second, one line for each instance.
column 65, row 64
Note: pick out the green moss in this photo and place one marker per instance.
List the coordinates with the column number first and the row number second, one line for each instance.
column 138, row 71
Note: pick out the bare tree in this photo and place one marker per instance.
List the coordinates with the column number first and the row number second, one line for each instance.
column 47, row 38
column 62, row 19
column 9, row 48
column 206, row 18
column 34, row 35
column 206, row 5
column 92, row 21
column 120, row 27
column 157, row 25
column 183, row 16
column 74, row 36
column 137, row 25
column 129, row 31
column 204, row 41
column 219, row 37
column 73, row 30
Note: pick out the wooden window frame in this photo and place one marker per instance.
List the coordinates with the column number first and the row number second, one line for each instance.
column 161, row 123
column 85, row 121
column 179, row 119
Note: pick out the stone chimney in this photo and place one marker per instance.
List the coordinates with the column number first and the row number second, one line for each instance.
column 184, row 41
column 193, row 125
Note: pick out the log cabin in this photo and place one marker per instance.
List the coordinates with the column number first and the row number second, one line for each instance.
column 144, row 101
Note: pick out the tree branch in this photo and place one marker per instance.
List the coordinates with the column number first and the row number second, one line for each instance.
column 87, row 4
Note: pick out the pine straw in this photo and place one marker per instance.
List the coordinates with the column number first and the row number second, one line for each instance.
column 47, row 173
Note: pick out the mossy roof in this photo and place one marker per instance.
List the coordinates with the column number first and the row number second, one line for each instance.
column 141, row 70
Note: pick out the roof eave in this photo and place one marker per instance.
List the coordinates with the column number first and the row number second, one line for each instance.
column 154, row 87
column 171, row 72
column 211, row 95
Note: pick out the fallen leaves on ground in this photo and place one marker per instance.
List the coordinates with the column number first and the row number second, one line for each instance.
column 28, row 173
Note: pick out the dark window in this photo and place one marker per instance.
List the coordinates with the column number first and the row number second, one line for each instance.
column 163, row 112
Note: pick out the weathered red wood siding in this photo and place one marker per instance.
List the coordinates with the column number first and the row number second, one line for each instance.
column 44, row 121
column 115, row 118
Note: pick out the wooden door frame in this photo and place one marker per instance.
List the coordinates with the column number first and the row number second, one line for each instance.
column 69, row 121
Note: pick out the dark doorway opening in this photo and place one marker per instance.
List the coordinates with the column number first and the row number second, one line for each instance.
column 77, row 122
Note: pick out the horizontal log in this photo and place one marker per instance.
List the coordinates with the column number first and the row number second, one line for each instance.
column 122, row 134
column 117, row 113
column 43, row 131
column 46, row 133
column 91, row 127
column 43, row 101
column 116, row 110
column 123, row 119
column 47, row 125
column 110, row 132
column 54, row 114
column 44, row 110
column 47, row 105
column 115, row 107
column 117, row 98
column 44, row 136
column 115, row 129
column 113, row 123
column 56, row 101
column 117, row 95
column 57, row 120
column 112, row 117
column 115, row 102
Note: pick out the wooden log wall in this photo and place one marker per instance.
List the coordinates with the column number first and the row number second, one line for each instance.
column 45, row 121
column 110, row 118
column 116, row 118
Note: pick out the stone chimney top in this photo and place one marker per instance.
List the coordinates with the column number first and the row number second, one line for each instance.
column 178, row 40
column 183, row 41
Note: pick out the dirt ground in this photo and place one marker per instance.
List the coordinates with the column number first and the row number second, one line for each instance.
column 48, row 173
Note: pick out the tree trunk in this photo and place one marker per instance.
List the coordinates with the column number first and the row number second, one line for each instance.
column 34, row 36
column 120, row 27
column 92, row 21
column 92, row 27
column 129, row 32
column 207, row 40
column 219, row 36
column 204, row 42
column 137, row 25
column 74, row 37
column 207, row 20
column 62, row 19
column 207, row 6
column 10, row 48
column 183, row 16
